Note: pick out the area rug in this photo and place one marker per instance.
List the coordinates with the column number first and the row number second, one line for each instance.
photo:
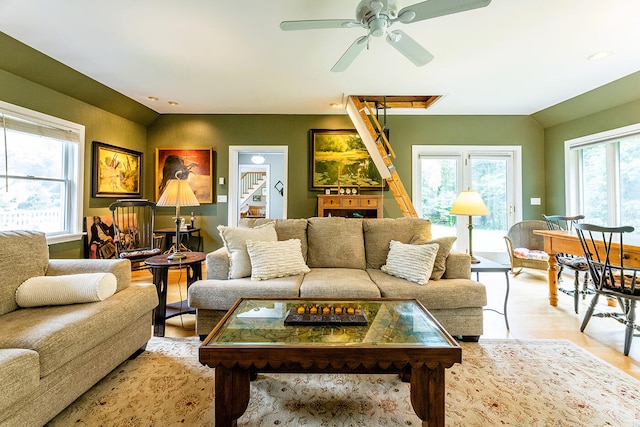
column 500, row 382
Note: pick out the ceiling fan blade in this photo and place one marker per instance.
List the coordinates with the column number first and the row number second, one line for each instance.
column 434, row 8
column 347, row 58
column 318, row 24
column 409, row 48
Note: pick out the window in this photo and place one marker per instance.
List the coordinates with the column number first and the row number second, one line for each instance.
column 603, row 175
column 40, row 169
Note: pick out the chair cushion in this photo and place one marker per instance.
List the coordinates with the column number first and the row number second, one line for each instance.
column 235, row 240
column 61, row 290
column 411, row 262
column 574, row 262
column 524, row 253
column 276, row 259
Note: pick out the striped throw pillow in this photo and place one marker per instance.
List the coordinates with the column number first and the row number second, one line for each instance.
column 276, row 259
column 411, row 262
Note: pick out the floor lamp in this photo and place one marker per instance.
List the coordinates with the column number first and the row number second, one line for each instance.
column 470, row 203
column 178, row 193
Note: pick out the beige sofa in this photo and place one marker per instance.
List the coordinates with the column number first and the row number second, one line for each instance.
column 50, row 355
column 345, row 256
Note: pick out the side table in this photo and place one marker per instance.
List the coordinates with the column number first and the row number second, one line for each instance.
column 185, row 234
column 160, row 265
column 488, row 266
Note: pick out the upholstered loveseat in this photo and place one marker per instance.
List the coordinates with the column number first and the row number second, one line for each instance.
column 345, row 257
column 52, row 354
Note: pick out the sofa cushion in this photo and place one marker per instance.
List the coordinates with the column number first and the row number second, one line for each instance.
column 215, row 294
column 411, row 262
column 64, row 332
column 437, row 294
column 20, row 373
column 285, row 229
column 378, row 233
column 276, row 259
column 27, row 255
column 338, row 283
column 69, row 289
column 235, row 240
column 444, row 248
column 336, row 242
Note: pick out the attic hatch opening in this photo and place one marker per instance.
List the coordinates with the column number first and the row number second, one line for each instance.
column 374, row 137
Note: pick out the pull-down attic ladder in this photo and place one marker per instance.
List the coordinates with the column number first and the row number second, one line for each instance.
column 380, row 150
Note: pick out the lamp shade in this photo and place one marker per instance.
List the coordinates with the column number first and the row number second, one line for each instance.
column 470, row 203
column 178, row 193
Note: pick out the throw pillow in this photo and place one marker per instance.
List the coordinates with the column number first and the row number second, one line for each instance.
column 68, row 289
column 411, row 262
column 276, row 259
column 235, row 240
column 445, row 244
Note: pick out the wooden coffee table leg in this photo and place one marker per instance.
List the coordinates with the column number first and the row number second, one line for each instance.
column 427, row 395
column 231, row 395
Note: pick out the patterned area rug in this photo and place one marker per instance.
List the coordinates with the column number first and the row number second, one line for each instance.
column 500, row 382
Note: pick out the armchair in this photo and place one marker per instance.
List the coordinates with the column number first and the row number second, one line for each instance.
column 526, row 250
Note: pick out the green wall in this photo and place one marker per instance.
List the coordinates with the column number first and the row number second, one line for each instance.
column 100, row 125
column 221, row 131
column 555, row 137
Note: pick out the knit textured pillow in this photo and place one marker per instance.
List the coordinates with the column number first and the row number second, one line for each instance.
column 411, row 262
column 276, row 259
column 68, row 289
column 235, row 240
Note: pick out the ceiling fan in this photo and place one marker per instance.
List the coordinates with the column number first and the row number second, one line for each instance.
column 377, row 16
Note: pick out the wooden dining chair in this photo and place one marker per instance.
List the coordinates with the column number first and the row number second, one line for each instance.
column 577, row 264
column 603, row 249
column 134, row 222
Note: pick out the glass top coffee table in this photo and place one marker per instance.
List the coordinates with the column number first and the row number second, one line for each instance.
column 329, row 336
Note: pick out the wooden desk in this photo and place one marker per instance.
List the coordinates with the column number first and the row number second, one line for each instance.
column 556, row 241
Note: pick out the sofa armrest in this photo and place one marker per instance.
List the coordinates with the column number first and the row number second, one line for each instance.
column 121, row 268
column 218, row 264
column 458, row 266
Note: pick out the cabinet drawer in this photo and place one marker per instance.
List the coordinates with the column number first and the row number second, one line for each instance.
column 330, row 202
column 350, row 202
column 369, row 202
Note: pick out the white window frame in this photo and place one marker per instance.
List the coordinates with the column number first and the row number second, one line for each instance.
column 573, row 174
column 74, row 206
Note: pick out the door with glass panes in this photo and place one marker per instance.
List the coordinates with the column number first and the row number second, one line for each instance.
column 440, row 173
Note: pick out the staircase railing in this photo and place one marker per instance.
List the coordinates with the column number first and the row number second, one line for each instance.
column 249, row 180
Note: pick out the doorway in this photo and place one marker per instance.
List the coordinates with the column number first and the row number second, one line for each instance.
column 442, row 172
column 257, row 182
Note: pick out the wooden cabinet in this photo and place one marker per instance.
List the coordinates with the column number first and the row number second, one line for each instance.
column 369, row 206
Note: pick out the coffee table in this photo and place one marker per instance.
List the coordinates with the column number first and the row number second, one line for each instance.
column 400, row 337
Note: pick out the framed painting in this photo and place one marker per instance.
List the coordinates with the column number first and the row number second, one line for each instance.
column 193, row 164
column 117, row 172
column 340, row 157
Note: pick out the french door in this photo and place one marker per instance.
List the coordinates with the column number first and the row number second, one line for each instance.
column 440, row 173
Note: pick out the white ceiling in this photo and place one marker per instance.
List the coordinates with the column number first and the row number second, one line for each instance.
column 212, row 56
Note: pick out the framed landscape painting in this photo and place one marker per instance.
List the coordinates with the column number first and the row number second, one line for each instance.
column 193, row 164
column 340, row 156
column 116, row 172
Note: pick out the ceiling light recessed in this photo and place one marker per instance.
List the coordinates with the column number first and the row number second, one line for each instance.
column 599, row 55
column 152, row 98
column 172, row 103
column 335, row 105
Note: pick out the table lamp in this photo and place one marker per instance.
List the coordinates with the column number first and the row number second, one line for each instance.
column 178, row 193
column 469, row 203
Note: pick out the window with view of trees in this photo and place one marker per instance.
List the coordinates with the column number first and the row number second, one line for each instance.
column 41, row 175
column 603, row 177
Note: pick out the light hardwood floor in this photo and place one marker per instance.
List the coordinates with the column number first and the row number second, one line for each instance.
column 530, row 316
